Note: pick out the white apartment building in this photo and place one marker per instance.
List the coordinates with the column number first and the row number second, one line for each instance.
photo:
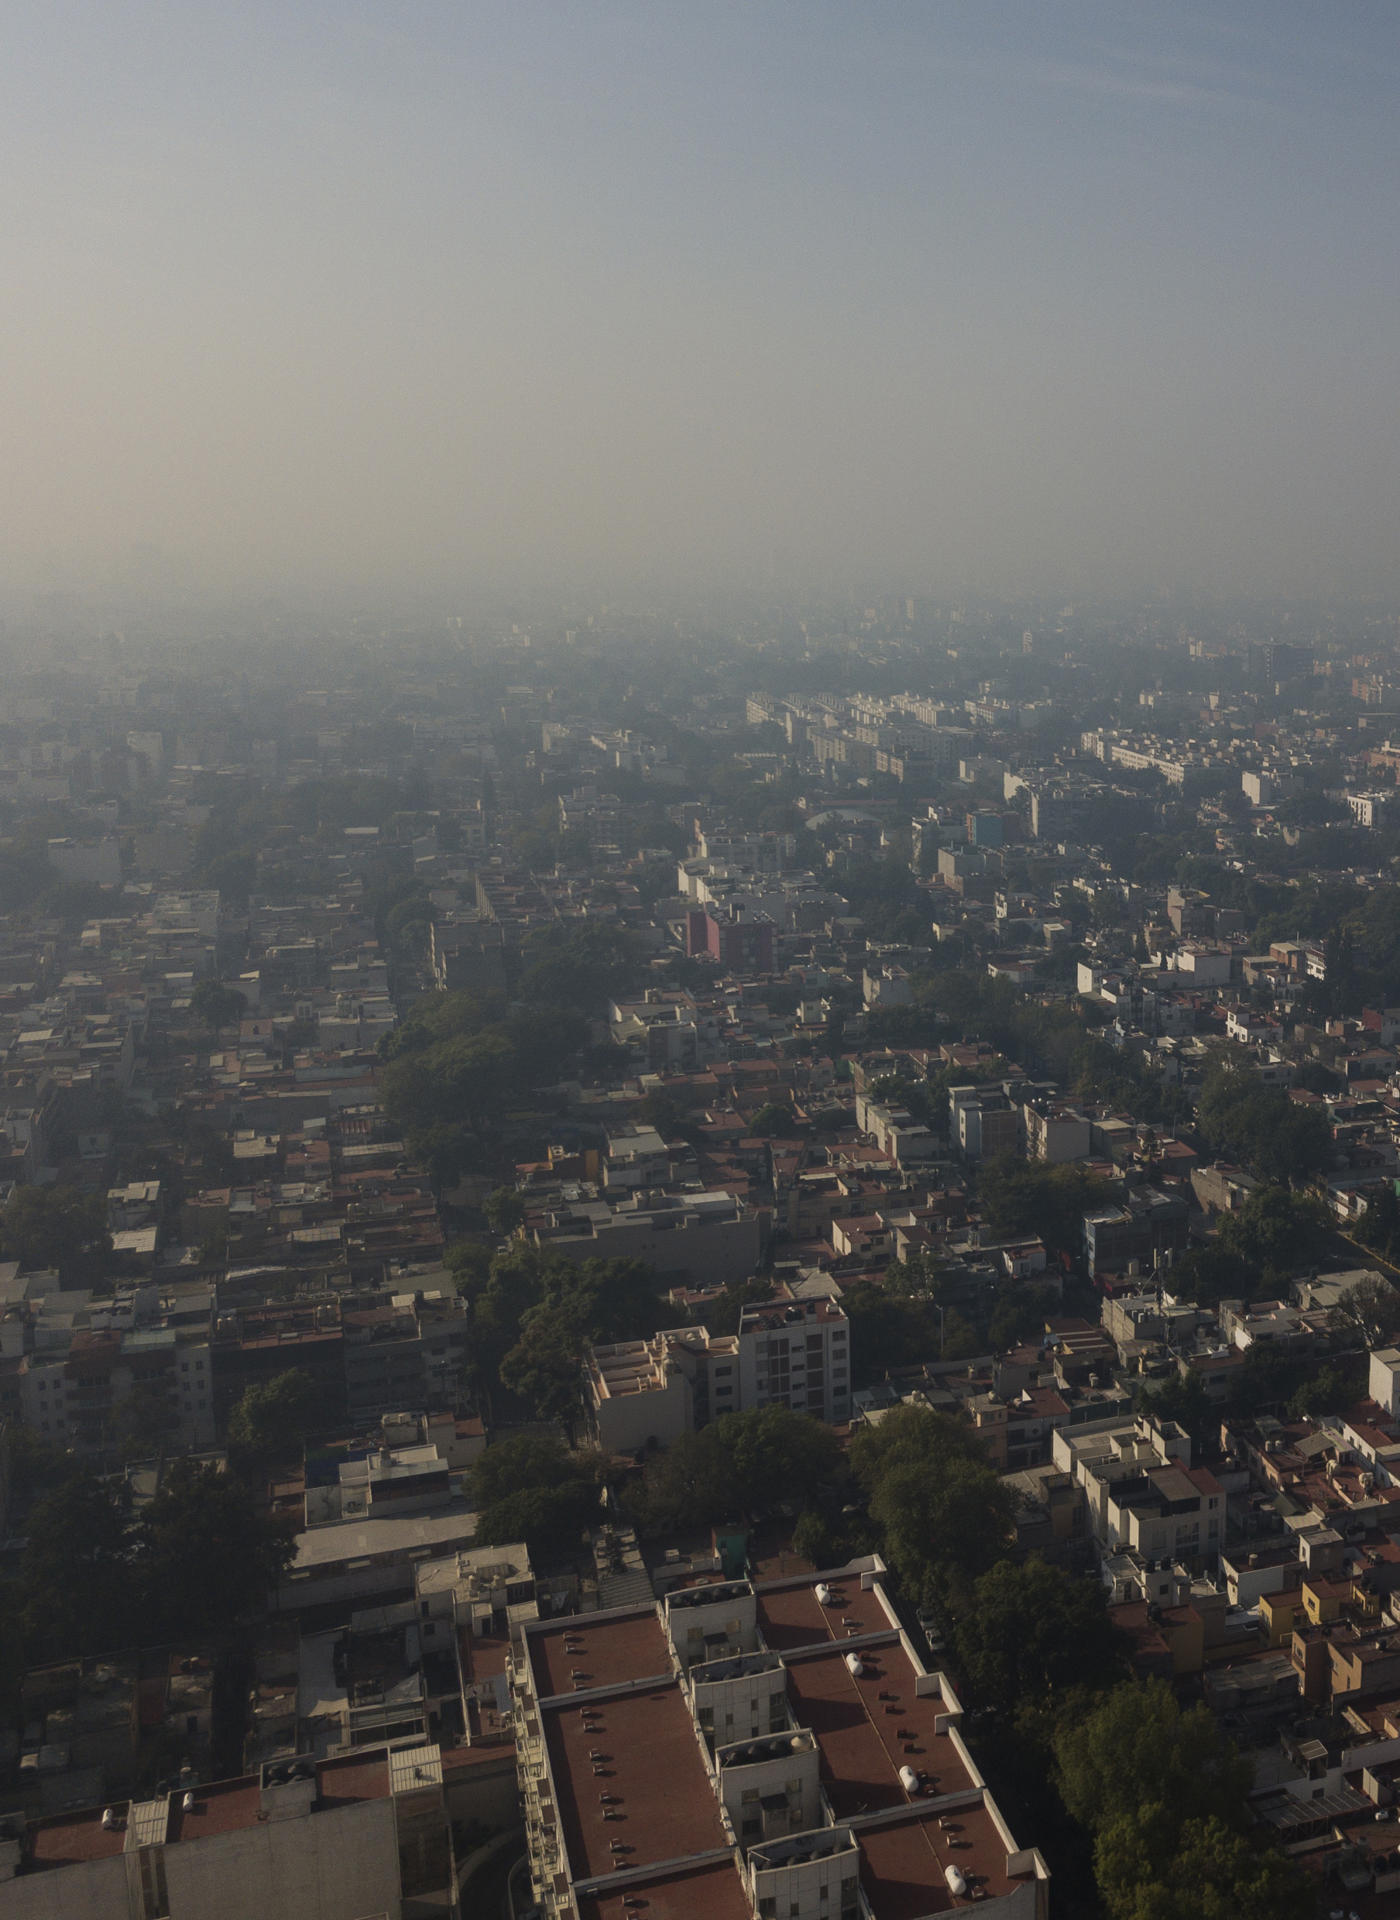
column 787, row 1352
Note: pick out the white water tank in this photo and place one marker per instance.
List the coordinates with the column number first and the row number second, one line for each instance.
column 909, row 1780
column 823, row 1593
column 854, row 1663
column 956, row 1882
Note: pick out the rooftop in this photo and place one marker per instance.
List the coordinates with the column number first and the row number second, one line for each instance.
column 903, row 1864
column 790, row 1615
column 225, row 1807
column 70, row 1837
column 568, row 1658
column 355, row 1776
column 869, row 1725
column 713, row 1892
column 659, row 1806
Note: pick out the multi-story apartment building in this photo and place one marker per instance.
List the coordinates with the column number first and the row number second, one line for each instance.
column 710, row 1233
column 366, row 1832
column 791, row 1353
column 742, row 1751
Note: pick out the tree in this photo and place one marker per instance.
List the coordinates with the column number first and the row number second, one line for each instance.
column 550, row 1520
column 1275, row 1233
column 533, row 1489
column 1185, row 1399
column 75, row 1579
column 524, row 1460
column 1139, row 1748
column 1211, row 1273
column 742, row 1463
column 271, row 1420
column 1373, row 1308
column 1033, row 1631
column 217, row 1005
column 505, row 1210
column 773, row 1121
column 941, row 1521
column 204, row 1555
column 1029, row 1196
column 671, row 1110
column 1239, row 1116
column 59, row 1227
column 1150, row 1867
column 545, row 1365
column 888, row 1330
column 941, row 1511
column 146, row 1421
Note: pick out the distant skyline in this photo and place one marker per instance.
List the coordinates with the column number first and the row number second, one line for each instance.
column 1079, row 297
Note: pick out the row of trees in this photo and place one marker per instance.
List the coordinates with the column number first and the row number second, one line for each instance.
column 94, row 1577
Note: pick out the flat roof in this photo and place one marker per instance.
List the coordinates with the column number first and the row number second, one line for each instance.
column 631, row 1647
column 868, row 1726
column 357, row 1539
column 903, row 1864
column 713, row 1892
column 225, row 1806
column 70, row 1837
column 790, row 1615
column 358, row 1776
column 660, row 1804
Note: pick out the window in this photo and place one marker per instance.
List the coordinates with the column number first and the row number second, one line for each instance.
column 155, row 1901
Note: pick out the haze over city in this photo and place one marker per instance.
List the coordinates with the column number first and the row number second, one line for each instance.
column 385, row 298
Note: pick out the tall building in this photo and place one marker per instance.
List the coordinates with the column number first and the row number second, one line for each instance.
column 741, row 943
column 787, row 1352
column 745, row 1751
column 364, row 1833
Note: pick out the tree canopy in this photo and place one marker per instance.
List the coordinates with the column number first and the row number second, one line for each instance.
column 272, row 1419
column 217, row 1005
column 1259, row 1126
column 1164, row 1794
column 534, row 1489
column 941, row 1511
column 1032, row 1631
column 58, row 1227
column 197, row 1558
column 742, row 1463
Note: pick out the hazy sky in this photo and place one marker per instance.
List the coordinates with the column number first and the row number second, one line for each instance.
column 1054, row 293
